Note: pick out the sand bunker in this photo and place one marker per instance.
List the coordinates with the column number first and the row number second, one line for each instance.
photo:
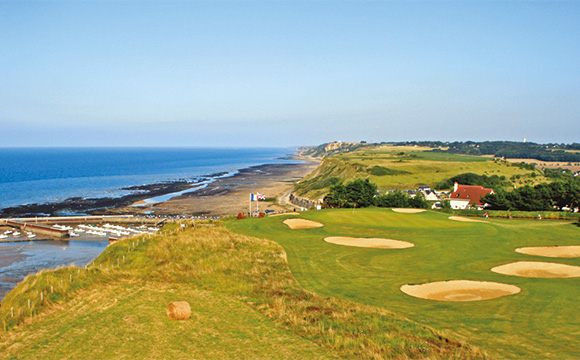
column 369, row 242
column 296, row 224
column 459, row 218
column 409, row 211
column 538, row 269
column 552, row 251
column 460, row 290
column 282, row 214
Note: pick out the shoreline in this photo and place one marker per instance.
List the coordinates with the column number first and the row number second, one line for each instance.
column 229, row 195
column 223, row 186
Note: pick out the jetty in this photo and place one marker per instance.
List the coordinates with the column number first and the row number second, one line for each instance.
column 44, row 226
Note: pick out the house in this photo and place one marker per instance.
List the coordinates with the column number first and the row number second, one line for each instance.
column 465, row 196
column 428, row 193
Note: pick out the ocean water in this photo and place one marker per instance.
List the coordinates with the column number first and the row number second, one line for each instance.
column 45, row 175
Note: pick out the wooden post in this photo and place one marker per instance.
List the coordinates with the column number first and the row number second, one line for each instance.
column 52, row 289
column 12, row 311
column 71, row 277
column 29, row 303
column 41, row 296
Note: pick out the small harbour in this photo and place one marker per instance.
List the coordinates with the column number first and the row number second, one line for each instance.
column 19, row 259
column 24, row 252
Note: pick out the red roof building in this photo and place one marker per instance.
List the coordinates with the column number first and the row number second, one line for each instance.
column 465, row 196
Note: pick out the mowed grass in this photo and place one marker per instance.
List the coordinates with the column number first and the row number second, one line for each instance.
column 539, row 322
column 245, row 302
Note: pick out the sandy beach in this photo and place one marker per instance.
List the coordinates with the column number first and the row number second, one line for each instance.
column 231, row 195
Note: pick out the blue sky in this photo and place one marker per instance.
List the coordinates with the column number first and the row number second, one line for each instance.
column 253, row 73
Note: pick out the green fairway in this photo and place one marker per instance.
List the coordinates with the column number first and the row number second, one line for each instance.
column 539, row 322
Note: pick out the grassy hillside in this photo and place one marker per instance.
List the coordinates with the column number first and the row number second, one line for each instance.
column 246, row 304
column 540, row 322
column 399, row 167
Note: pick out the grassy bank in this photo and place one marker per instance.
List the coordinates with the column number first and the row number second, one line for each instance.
column 539, row 322
column 399, row 167
column 245, row 302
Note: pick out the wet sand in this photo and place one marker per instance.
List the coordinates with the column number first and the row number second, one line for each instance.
column 229, row 196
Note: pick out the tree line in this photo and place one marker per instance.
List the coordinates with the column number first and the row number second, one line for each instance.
column 507, row 149
column 362, row 193
column 542, row 197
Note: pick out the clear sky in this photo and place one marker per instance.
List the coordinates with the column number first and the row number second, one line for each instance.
column 276, row 73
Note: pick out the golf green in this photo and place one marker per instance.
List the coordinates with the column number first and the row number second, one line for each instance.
column 539, row 322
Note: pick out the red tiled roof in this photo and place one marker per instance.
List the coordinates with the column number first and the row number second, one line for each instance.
column 470, row 192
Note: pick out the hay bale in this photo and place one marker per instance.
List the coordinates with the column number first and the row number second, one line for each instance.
column 179, row 310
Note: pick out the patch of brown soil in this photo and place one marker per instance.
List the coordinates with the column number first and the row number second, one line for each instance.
column 460, row 290
column 369, row 242
column 538, row 269
column 459, row 218
column 573, row 166
column 409, row 211
column 552, row 251
column 297, row 224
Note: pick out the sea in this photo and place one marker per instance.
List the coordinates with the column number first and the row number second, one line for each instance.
column 47, row 175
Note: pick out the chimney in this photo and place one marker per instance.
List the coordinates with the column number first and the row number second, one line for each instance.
column 455, row 186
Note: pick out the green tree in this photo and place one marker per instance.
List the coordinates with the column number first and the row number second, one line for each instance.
column 418, row 201
column 336, row 197
column 397, row 199
column 361, row 193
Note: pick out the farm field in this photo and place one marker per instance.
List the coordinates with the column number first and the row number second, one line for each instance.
column 410, row 166
column 538, row 322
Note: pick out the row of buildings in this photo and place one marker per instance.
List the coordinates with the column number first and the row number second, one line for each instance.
column 462, row 196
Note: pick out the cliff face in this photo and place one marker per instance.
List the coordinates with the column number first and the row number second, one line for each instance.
column 333, row 148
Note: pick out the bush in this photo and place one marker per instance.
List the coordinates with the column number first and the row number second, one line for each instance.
column 382, row 171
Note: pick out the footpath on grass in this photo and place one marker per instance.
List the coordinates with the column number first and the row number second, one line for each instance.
column 242, row 295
